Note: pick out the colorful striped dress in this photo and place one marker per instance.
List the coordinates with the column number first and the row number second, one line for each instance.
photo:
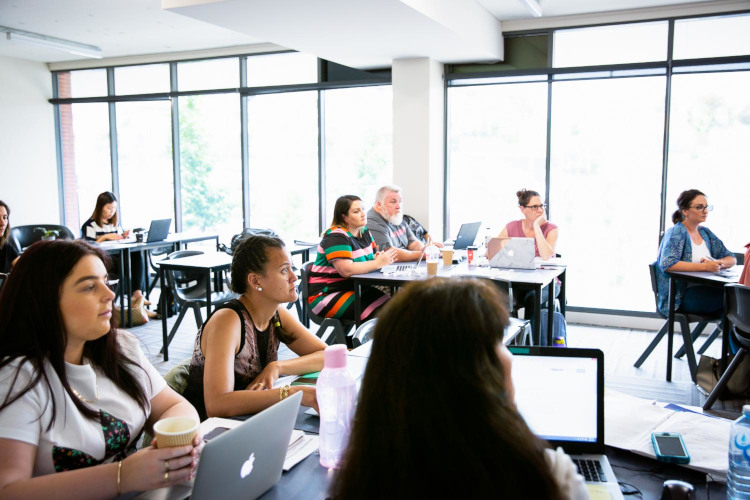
column 332, row 295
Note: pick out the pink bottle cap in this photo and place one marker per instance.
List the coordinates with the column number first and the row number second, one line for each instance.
column 335, row 356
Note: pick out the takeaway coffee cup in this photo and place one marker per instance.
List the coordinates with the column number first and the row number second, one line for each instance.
column 432, row 267
column 447, row 256
column 175, row 431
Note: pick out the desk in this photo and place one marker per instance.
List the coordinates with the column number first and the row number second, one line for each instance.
column 536, row 279
column 703, row 278
column 205, row 263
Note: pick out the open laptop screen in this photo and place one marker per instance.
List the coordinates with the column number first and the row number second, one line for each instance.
column 559, row 392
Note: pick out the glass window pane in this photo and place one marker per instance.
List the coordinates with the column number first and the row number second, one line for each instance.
column 87, row 167
column 147, row 79
column 708, row 149
column 620, row 44
column 283, row 144
column 606, row 164
column 83, row 83
column 144, row 137
column 497, row 145
column 712, row 37
column 281, row 69
column 209, row 74
column 210, row 164
column 359, row 152
column 521, row 52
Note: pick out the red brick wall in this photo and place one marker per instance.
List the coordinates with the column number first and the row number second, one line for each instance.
column 70, row 180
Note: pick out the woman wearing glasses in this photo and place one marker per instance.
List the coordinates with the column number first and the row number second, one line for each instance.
column 534, row 225
column 689, row 246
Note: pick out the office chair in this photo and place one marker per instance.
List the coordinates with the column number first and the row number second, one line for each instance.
column 684, row 320
column 737, row 301
column 189, row 291
column 339, row 327
column 25, row 236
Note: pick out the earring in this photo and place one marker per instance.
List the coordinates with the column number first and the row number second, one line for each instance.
column 260, row 288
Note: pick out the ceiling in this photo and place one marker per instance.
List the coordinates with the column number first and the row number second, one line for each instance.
column 358, row 33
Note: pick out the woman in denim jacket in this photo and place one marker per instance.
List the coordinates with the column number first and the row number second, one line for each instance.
column 687, row 246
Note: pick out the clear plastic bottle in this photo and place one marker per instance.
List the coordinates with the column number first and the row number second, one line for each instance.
column 336, row 392
column 738, row 477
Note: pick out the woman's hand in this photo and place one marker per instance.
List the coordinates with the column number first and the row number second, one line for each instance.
column 386, row 257
column 266, row 378
column 309, row 397
column 540, row 221
column 125, row 234
column 710, row 265
column 146, row 469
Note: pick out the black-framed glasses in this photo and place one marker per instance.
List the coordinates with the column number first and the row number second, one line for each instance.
column 701, row 208
column 536, row 207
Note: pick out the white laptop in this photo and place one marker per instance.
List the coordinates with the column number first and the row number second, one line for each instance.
column 511, row 253
column 243, row 462
column 560, row 394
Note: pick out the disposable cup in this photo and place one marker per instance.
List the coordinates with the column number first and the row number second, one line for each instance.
column 175, row 431
column 447, row 256
column 432, row 267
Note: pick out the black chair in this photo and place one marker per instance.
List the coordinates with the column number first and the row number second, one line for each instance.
column 737, row 302
column 687, row 337
column 363, row 334
column 189, row 291
column 154, row 267
column 338, row 327
column 25, row 236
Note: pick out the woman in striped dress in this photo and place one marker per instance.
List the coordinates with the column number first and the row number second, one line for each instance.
column 347, row 248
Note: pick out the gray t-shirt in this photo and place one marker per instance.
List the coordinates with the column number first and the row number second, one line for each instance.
column 385, row 233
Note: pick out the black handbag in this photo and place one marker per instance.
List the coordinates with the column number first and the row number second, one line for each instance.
column 246, row 233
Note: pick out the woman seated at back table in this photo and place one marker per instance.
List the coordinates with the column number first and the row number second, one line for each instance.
column 235, row 361
column 103, row 226
column 534, row 225
column 436, row 416
column 347, row 248
column 689, row 246
column 75, row 393
column 8, row 253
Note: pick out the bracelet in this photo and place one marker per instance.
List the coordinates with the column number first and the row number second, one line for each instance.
column 284, row 392
column 119, row 470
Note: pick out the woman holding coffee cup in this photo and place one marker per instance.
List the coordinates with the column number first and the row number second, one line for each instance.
column 235, row 359
column 74, row 392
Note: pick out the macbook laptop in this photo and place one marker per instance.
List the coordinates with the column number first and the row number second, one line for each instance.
column 243, row 462
column 159, row 230
column 560, row 394
column 466, row 235
column 511, row 253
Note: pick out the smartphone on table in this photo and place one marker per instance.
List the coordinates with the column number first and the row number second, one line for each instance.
column 670, row 448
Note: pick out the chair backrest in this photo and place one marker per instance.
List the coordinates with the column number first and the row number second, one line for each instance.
column 184, row 282
column 363, row 334
column 305, row 285
column 25, row 236
column 654, row 286
column 737, row 299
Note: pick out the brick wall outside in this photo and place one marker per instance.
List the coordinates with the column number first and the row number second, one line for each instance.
column 70, row 180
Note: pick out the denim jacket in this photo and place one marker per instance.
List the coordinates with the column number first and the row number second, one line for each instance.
column 676, row 246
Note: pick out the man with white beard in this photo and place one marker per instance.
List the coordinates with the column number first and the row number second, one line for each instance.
column 386, row 224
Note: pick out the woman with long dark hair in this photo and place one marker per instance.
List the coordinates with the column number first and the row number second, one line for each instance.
column 690, row 246
column 347, row 248
column 103, row 225
column 235, row 358
column 8, row 253
column 436, row 416
column 75, row 393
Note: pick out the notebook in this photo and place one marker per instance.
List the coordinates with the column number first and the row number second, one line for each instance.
column 159, row 230
column 245, row 461
column 466, row 235
column 560, row 394
column 511, row 253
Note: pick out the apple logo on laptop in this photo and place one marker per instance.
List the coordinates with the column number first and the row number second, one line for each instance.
column 247, row 467
column 510, row 253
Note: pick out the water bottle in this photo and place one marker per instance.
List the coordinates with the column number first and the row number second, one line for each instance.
column 738, row 478
column 336, row 392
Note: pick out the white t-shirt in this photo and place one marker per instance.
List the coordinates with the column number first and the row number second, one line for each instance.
column 700, row 251
column 74, row 441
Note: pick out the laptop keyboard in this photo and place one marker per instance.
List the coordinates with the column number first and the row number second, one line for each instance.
column 591, row 470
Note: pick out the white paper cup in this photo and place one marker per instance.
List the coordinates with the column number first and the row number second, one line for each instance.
column 175, row 431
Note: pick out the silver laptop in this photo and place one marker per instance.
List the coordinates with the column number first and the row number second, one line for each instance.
column 511, row 253
column 560, row 394
column 159, row 230
column 243, row 462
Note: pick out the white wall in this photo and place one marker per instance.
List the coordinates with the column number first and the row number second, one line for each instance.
column 28, row 168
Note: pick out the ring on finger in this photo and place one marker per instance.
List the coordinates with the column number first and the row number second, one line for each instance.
column 166, row 477
column 261, row 384
column 166, row 466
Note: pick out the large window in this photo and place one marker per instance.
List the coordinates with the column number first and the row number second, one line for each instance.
column 497, row 145
column 709, row 149
column 210, row 163
column 358, row 143
column 283, row 145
